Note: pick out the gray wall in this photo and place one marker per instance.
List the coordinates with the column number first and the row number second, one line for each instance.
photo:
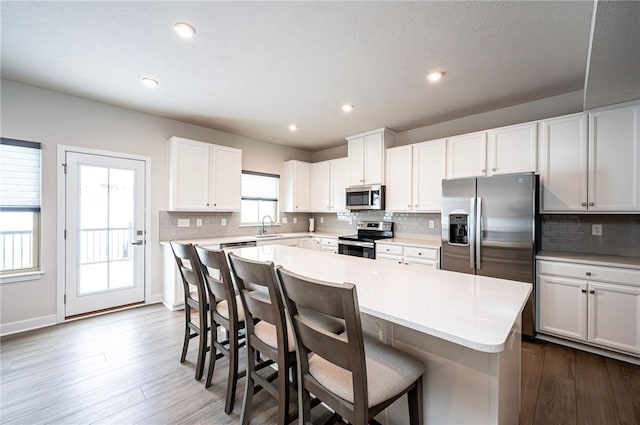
column 52, row 118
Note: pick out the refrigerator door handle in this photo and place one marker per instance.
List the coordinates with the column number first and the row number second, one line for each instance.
column 472, row 224
column 478, row 235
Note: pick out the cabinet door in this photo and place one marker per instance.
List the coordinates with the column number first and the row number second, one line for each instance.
column 339, row 182
column 563, row 164
column 296, row 186
column 421, row 262
column 389, row 259
column 429, row 169
column 356, row 161
column 304, row 243
column 189, row 175
column 614, row 316
column 399, row 179
column 513, row 149
column 563, row 306
column 614, row 159
column 227, row 179
column 320, row 186
column 467, row 155
column 374, row 159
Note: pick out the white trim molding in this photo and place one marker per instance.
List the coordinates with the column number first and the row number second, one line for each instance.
column 27, row 325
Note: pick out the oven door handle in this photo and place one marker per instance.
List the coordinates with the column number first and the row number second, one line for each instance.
column 354, row 243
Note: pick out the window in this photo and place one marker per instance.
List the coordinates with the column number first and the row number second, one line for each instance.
column 19, row 206
column 259, row 197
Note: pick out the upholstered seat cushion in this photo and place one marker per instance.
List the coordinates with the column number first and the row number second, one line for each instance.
column 266, row 332
column 389, row 372
column 222, row 308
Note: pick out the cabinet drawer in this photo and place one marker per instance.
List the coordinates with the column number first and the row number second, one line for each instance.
column 590, row 273
column 388, row 249
column 426, row 253
column 330, row 242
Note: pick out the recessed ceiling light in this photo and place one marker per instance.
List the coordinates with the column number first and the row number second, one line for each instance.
column 435, row 76
column 184, row 30
column 293, row 127
column 150, row 82
column 347, row 108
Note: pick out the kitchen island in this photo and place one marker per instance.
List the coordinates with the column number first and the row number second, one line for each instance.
column 465, row 328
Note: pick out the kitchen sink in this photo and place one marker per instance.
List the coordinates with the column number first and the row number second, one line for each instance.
column 268, row 236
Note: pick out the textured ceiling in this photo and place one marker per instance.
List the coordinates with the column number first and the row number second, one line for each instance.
column 255, row 67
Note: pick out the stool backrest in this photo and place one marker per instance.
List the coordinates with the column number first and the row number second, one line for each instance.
column 337, row 301
column 188, row 266
column 217, row 276
column 260, row 295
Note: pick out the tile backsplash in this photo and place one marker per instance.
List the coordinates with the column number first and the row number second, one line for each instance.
column 412, row 226
column 573, row 233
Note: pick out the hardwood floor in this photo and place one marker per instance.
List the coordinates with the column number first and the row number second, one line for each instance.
column 123, row 368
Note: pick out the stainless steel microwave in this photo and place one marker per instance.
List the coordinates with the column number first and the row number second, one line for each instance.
column 369, row 197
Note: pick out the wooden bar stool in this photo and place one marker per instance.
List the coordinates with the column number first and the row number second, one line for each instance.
column 266, row 333
column 227, row 312
column 195, row 297
column 355, row 376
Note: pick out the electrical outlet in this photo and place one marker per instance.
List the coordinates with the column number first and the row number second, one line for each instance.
column 432, row 224
column 199, row 222
column 184, row 222
column 223, row 222
column 295, row 220
column 321, row 220
column 283, row 220
column 596, row 229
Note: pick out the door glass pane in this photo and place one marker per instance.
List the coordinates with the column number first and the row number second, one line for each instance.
column 106, row 229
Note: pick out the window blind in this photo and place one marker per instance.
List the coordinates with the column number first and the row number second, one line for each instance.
column 260, row 187
column 19, row 175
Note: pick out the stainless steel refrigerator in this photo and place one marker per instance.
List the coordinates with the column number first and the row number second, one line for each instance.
column 490, row 228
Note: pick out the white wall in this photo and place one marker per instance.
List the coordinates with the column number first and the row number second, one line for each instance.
column 51, row 118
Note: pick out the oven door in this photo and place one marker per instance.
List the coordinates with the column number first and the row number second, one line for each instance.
column 357, row 249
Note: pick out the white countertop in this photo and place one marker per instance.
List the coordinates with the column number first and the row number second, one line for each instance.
column 419, row 243
column 249, row 238
column 593, row 259
column 473, row 311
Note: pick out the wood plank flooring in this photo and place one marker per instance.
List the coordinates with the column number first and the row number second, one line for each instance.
column 123, row 368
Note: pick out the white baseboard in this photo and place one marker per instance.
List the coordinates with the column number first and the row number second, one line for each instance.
column 174, row 307
column 155, row 299
column 591, row 349
column 27, row 325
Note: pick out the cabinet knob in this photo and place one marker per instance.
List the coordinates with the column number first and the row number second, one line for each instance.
column 207, row 204
column 584, row 204
column 409, row 205
column 419, row 253
column 584, row 291
column 493, row 169
column 591, row 204
column 399, row 262
column 215, row 205
column 592, row 291
column 588, row 273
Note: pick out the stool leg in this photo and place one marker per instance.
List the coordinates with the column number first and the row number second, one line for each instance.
column 212, row 353
column 187, row 332
column 414, row 397
column 202, row 346
column 233, row 371
column 283, row 389
column 248, row 389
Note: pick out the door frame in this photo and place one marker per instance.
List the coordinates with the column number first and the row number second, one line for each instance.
column 60, row 221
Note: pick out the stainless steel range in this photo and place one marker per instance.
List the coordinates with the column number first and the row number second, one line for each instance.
column 364, row 243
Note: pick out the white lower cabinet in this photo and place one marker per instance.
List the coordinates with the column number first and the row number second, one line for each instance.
column 317, row 243
column 596, row 305
column 408, row 255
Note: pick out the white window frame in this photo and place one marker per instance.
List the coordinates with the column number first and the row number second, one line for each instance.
column 276, row 219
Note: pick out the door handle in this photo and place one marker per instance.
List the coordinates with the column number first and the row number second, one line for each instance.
column 137, row 243
column 479, row 234
column 471, row 223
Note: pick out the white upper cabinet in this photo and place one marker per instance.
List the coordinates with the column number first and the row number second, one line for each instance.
column 614, row 159
column 563, row 163
column 591, row 162
column 429, row 169
column 203, row 176
column 467, row 155
column 512, row 149
column 296, row 186
column 327, row 185
column 366, row 156
column 504, row 150
column 414, row 176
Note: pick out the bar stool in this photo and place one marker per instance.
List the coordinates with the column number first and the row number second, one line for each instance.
column 266, row 333
column 355, row 376
column 194, row 298
column 226, row 312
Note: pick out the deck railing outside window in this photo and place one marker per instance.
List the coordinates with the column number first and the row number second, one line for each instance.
column 16, row 250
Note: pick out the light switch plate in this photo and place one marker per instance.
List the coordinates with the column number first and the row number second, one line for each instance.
column 432, row 224
column 283, row 220
column 184, row 222
column 223, row 222
column 295, row 220
column 321, row 220
column 199, row 222
column 596, row 229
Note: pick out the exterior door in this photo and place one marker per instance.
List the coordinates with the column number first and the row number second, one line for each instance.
column 104, row 226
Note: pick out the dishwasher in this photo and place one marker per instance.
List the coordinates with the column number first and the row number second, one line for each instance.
column 237, row 244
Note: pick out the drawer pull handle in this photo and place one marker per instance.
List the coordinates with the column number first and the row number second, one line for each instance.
column 584, row 204
column 588, row 273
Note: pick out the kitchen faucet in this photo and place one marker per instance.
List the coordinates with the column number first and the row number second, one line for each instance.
column 263, row 230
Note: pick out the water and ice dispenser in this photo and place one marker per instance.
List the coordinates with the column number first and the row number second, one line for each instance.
column 459, row 229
